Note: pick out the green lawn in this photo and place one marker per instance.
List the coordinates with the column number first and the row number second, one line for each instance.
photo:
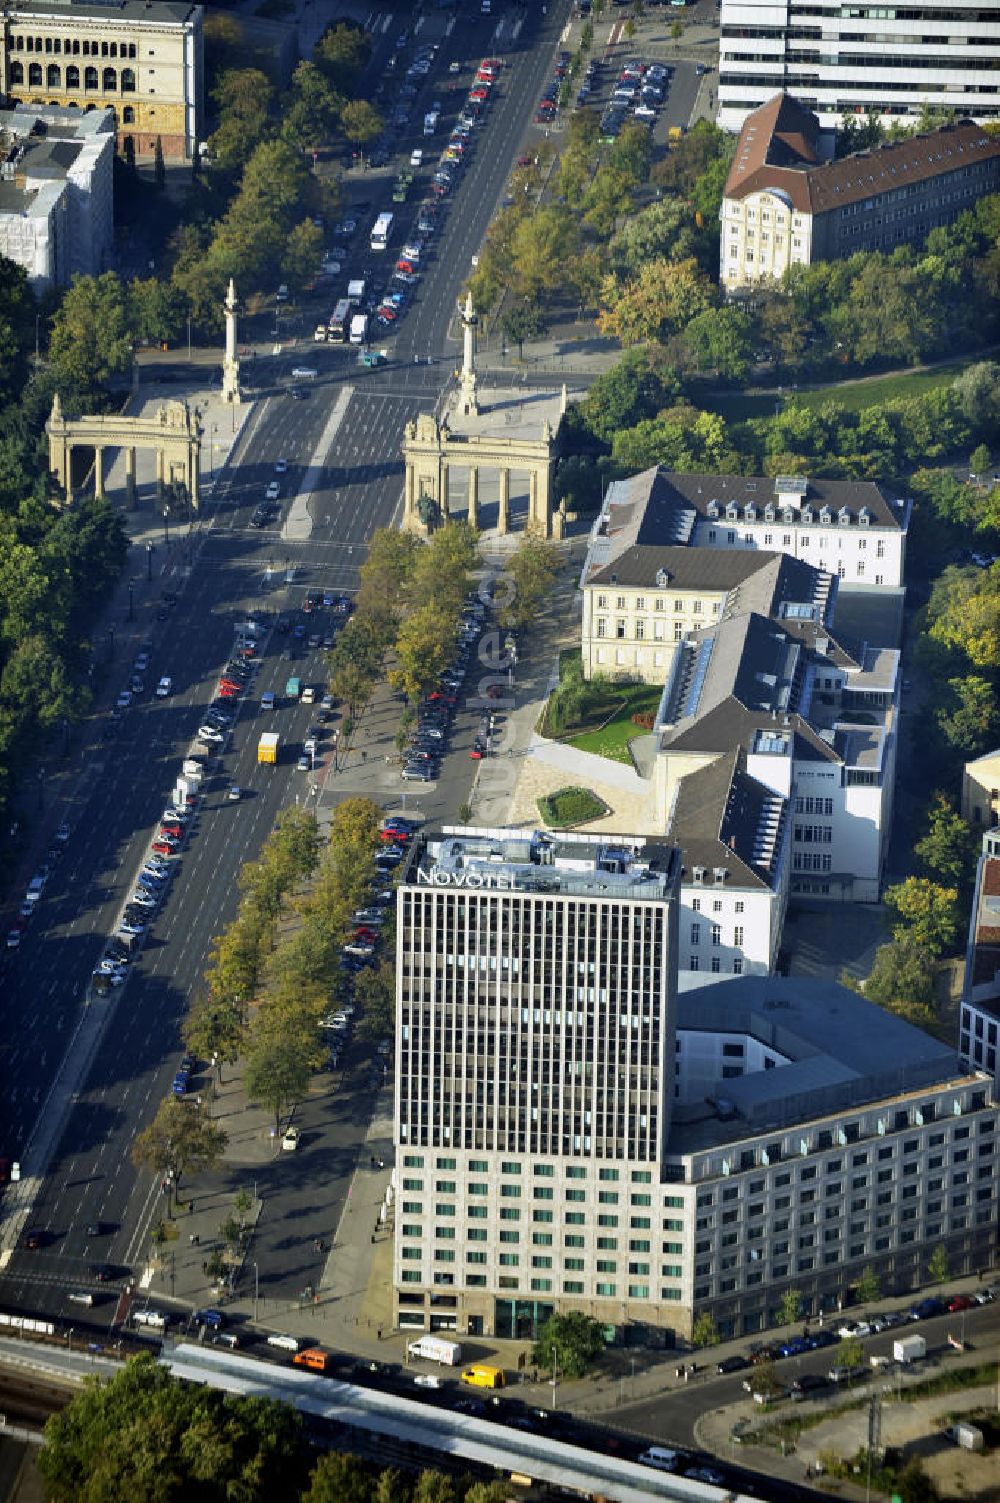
column 571, row 806
column 612, row 740
column 739, row 406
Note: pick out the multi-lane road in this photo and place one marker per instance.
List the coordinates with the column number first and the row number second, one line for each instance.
column 343, row 441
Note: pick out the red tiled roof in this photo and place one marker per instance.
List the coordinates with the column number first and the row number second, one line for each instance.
column 777, row 151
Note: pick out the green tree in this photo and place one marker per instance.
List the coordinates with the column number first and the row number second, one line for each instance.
column 423, row 650
column 902, row 979
column 573, row 1340
column 391, row 1487
column 434, row 1487
column 950, row 847
column 214, row 1029
column 929, row 913
column 937, row 1265
column 360, row 122
column 868, row 1287
column 791, row 1307
column 704, row 1332
column 630, row 391
column 721, row 339
column 375, row 990
column 243, row 99
column 522, row 321
column 979, row 460
column 91, row 339
column 526, row 583
column 155, row 310
column 143, row 1434
column 970, row 719
column 310, row 115
column 343, row 52
column 850, row 1354
column 914, row 1485
column 660, row 301
column 302, row 254
column 181, row 1139
column 339, row 1478
column 277, row 1070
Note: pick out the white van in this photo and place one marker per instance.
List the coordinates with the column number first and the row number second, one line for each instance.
column 304, row 373
column 286, row 1343
column 662, row 1458
column 80, row 1297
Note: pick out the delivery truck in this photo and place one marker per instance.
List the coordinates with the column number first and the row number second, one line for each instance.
column 909, row 1349
column 359, row 328
column 436, row 1349
column 316, row 1358
column 267, row 748
column 293, row 688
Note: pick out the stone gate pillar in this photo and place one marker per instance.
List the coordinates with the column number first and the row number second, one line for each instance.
column 503, row 521
column 130, row 491
column 473, row 516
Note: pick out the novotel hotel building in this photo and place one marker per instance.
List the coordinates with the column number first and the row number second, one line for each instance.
column 535, row 1043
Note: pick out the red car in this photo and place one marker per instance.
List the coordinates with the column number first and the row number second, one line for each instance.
column 365, row 936
column 223, row 692
column 479, row 96
column 231, row 683
column 170, row 832
column 442, row 696
column 959, row 1302
column 164, row 847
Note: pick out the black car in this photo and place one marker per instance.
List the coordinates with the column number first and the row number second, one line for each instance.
column 103, row 1273
column 732, row 1364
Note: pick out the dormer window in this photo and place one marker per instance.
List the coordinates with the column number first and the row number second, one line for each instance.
column 661, row 579
column 732, row 512
column 807, row 514
column 844, row 517
column 826, row 516
column 769, row 514
column 864, row 517
column 749, row 512
column 788, row 516
column 713, row 508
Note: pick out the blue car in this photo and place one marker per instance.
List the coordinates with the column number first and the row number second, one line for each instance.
column 213, row 1320
column 180, row 1084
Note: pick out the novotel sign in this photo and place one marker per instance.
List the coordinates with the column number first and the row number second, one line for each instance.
column 436, row 877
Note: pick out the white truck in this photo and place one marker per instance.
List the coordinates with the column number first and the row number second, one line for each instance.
column 436, row 1349
column 359, row 328
column 909, row 1349
column 356, row 291
column 431, row 122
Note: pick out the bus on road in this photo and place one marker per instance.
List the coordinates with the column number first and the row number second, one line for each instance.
column 381, row 230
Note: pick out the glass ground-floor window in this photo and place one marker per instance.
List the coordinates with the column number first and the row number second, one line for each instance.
column 520, row 1319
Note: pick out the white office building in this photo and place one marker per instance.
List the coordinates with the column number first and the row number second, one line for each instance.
column 843, row 61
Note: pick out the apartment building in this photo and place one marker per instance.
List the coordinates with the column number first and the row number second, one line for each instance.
column 644, row 589
column 784, row 206
column 819, row 725
column 56, row 192
column 734, row 834
column 140, row 58
column 979, row 1014
column 815, row 1136
column 536, row 1003
column 844, row 61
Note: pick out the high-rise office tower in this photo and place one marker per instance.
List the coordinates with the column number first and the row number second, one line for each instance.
column 846, row 60
column 535, row 1044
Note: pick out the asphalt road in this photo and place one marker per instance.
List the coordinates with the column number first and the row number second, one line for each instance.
column 126, row 781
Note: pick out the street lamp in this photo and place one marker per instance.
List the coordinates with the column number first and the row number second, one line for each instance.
column 555, row 1373
column 166, row 533
column 256, row 1291
column 149, row 563
column 131, row 601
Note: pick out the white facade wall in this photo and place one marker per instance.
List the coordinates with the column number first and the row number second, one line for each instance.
column 847, row 61
column 727, row 931
column 868, row 556
column 633, row 632
column 762, row 236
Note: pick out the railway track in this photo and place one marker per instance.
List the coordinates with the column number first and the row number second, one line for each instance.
column 26, row 1400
